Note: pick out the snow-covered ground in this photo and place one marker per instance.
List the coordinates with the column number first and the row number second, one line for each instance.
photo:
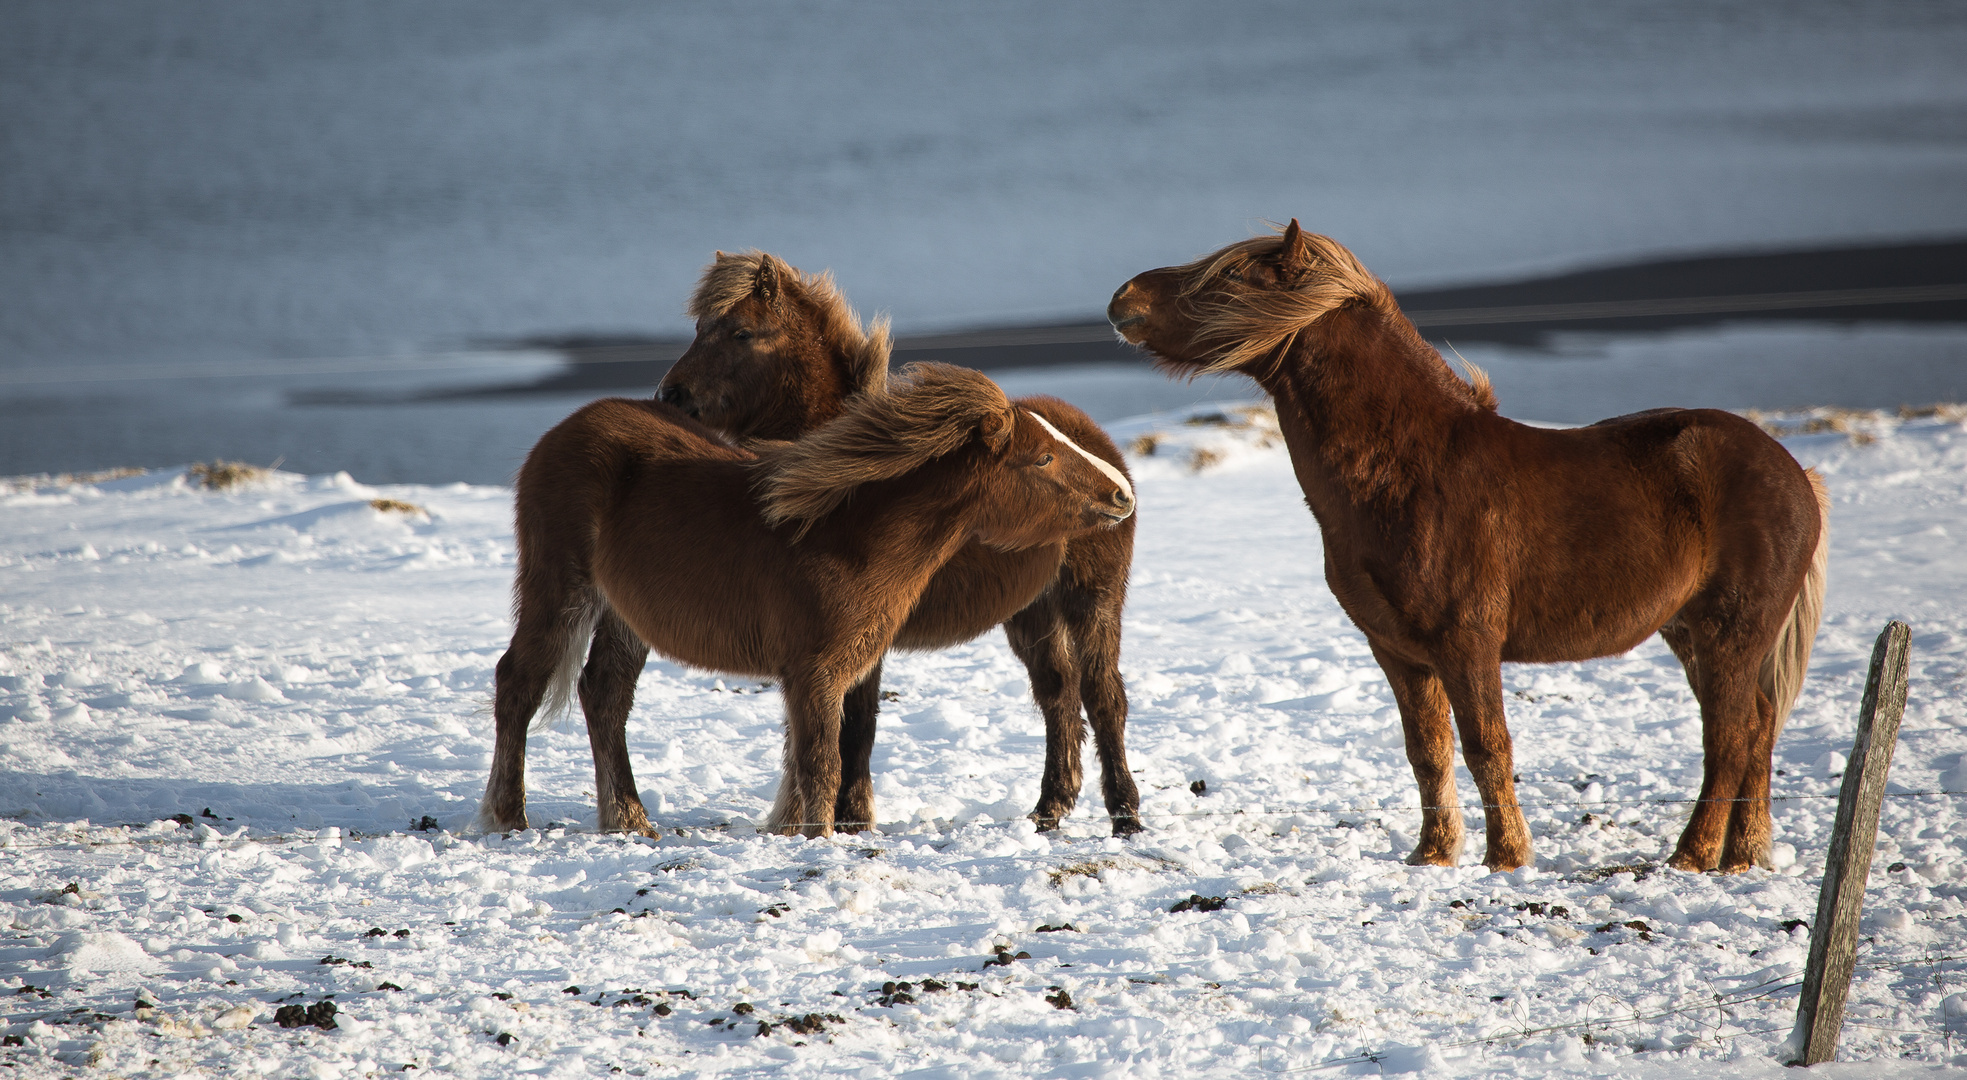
column 301, row 679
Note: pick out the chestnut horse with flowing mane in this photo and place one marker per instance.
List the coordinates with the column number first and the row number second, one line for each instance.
column 779, row 353
column 1458, row 540
column 638, row 528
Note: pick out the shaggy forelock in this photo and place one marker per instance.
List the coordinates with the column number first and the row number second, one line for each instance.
column 730, row 279
column 930, row 410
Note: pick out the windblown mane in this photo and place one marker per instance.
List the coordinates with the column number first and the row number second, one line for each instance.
column 931, row 410
column 1249, row 325
column 731, row 278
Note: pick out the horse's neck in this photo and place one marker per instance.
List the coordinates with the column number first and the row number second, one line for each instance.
column 918, row 524
column 1365, row 407
column 828, row 377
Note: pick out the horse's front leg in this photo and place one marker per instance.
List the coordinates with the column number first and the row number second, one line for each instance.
column 1475, row 692
column 607, row 692
column 1430, row 739
column 812, row 715
column 1039, row 637
column 854, row 808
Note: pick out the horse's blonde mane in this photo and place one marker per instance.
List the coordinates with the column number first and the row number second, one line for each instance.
column 728, row 280
column 931, row 410
column 1248, row 325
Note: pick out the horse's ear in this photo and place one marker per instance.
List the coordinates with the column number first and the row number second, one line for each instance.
column 766, row 283
column 1294, row 257
column 995, row 428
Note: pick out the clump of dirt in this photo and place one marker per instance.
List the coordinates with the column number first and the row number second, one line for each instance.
column 1200, row 903
column 320, row 1014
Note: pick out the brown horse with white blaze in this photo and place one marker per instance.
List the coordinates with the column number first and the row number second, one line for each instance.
column 777, row 354
column 638, row 528
column 1458, row 540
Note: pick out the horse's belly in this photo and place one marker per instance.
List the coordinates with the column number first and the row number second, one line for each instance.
column 976, row 590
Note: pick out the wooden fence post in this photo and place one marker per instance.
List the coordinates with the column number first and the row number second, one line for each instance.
column 1834, row 936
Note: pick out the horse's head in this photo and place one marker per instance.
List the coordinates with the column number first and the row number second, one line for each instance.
column 1018, row 480
column 1239, row 305
column 777, row 352
column 1044, row 487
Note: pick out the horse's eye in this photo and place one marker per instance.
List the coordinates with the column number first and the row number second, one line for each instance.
column 741, row 335
column 1044, row 461
column 1233, row 275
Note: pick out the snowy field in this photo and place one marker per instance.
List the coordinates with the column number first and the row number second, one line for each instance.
column 244, row 735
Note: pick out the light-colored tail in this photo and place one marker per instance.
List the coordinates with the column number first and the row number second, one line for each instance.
column 1781, row 674
column 789, row 807
column 577, row 630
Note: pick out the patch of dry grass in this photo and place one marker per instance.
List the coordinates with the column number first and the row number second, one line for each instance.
column 1146, row 445
column 14, row 484
column 1860, row 425
column 1093, row 867
column 398, row 506
column 1202, row 458
column 224, row 475
column 1948, row 411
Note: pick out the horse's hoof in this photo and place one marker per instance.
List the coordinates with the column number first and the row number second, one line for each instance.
column 1045, row 822
column 1505, row 863
column 1128, row 825
column 1683, row 861
column 503, row 825
column 1430, row 857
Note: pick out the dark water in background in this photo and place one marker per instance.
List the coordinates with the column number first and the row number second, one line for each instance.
column 259, row 183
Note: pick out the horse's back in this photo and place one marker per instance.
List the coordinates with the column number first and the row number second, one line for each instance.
column 1615, row 526
column 579, row 466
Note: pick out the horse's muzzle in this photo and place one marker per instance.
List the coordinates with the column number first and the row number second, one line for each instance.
column 1123, row 312
column 1119, row 506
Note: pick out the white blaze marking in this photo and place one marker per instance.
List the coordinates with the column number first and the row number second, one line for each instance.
column 1102, row 465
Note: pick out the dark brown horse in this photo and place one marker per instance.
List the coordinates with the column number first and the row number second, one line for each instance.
column 639, row 528
column 1459, row 540
column 779, row 353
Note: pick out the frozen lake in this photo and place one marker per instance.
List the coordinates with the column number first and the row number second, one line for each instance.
column 264, row 185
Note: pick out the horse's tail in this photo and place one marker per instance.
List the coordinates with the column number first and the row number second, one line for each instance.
column 574, row 630
column 789, row 805
column 1781, row 674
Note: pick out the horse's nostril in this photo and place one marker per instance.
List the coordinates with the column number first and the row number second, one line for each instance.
column 1122, row 500
column 674, row 394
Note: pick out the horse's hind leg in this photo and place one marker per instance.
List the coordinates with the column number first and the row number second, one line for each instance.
column 1094, row 619
column 1430, row 738
column 1729, row 828
column 607, row 691
column 520, row 680
column 853, row 809
column 1040, row 638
